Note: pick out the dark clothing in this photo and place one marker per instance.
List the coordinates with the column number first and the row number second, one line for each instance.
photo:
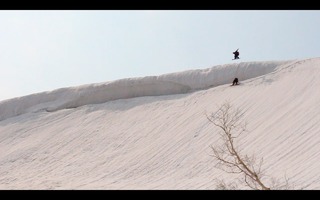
column 235, row 82
column 236, row 54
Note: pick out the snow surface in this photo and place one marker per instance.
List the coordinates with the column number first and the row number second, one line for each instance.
column 152, row 132
column 173, row 83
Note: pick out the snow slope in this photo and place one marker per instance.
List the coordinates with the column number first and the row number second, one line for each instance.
column 152, row 132
column 174, row 83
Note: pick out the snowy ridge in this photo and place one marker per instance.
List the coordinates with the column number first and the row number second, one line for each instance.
column 163, row 142
column 167, row 84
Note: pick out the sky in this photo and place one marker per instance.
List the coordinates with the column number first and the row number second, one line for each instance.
column 43, row 50
column 156, row 135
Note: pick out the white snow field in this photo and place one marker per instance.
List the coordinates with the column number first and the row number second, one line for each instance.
column 152, row 132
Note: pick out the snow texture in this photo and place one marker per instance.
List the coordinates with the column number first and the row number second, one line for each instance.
column 152, row 132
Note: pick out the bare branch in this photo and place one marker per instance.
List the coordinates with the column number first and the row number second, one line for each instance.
column 228, row 157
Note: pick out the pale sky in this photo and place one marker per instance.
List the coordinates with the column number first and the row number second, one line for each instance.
column 43, row 50
column 99, row 137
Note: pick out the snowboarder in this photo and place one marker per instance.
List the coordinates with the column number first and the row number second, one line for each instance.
column 236, row 54
column 235, row 81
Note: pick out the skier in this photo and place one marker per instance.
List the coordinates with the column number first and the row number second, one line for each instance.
column 235, row 81
column 236, row 54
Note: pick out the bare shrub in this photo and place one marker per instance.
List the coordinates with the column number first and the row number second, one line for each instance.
column 229, row 157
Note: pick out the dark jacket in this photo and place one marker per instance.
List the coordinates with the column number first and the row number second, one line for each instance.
column 235, row 81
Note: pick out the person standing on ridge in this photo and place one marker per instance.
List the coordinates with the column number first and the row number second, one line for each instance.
column 236, row 54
